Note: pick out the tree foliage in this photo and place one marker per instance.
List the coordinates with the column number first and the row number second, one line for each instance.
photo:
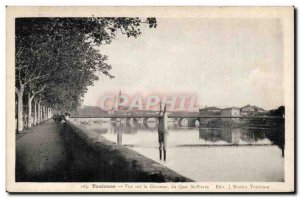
column 280, row 111
column 58, row 55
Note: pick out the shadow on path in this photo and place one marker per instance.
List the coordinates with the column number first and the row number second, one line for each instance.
column 41, row 154
column 52, row 152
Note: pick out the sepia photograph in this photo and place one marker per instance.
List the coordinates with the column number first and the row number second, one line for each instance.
column 150, row 99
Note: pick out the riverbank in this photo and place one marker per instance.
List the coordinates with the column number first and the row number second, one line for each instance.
column 65, row 152
column 114, row 162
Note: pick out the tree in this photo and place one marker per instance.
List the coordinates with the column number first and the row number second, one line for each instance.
column 280, row 111
column 26, row 74
column 33, row 90
column 56, row 57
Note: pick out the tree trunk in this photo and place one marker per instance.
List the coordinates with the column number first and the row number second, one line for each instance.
column 44, row 118
column 39, row 112
column 46, row 113
column 43, row 113
column 49, row 113
column 29, row 122
column 20, row 108
column 35, row 113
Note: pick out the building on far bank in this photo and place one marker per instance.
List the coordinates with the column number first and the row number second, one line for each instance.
column 250, row 110
column 210, row 111
column 232, row 111
column 88, row 111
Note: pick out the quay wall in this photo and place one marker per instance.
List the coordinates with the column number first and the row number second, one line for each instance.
column 102, row 160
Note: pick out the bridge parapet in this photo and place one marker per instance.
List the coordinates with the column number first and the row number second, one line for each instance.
column 181, row 116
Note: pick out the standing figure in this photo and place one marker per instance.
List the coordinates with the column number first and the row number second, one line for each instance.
column 162, row 132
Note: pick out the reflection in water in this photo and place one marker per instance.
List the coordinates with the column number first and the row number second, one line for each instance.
column 207, row 136
column 205, row 154
column 119, row 135
column 242, row 136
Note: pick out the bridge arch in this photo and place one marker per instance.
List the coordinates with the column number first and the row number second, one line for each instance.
column 128, row 120
column 188, row 122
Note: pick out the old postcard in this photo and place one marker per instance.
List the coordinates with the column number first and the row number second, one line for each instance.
column 150, row 99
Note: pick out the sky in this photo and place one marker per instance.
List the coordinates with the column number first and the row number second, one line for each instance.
column 223, row 62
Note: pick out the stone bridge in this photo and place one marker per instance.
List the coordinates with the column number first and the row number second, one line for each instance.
column 182, row 120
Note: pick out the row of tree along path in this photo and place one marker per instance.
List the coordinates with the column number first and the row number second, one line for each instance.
column 58, row 58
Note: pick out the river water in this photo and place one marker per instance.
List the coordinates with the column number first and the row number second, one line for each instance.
column 203, row 154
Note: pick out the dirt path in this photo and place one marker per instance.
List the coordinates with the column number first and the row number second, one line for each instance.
column 52, row 152
column 41, row 154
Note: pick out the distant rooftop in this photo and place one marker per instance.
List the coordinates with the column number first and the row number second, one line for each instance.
column 231, row 108
column 211, row 108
